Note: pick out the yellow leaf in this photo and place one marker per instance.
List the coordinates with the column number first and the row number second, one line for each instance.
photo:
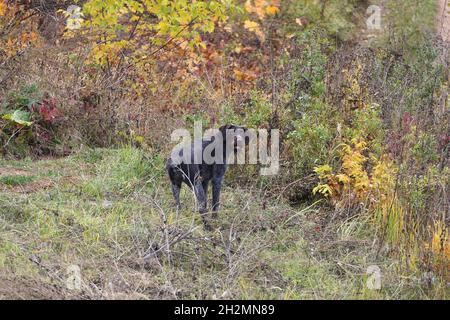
column 255, row 27
column 251, row 25
column 323, row 170
column 272, row 10
column 343, row 178
column 246, row 75
column 248, row 6
column 323, row 189
column 2, row 8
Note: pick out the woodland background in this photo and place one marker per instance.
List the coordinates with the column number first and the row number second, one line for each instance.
column 89, row 97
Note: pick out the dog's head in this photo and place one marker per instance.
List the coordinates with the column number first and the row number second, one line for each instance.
column 237, row 133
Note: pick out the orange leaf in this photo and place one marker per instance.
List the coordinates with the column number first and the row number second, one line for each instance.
column 272, row 10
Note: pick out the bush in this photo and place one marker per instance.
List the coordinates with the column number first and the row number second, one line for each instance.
column 29, row 122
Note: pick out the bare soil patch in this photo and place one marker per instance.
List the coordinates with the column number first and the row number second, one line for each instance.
column 17, row 288
column 28, row 188
column 8, row 171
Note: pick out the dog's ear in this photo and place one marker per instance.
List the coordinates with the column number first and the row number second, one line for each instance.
column 223, row 129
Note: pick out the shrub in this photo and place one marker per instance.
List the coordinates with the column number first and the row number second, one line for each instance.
column 29, row 122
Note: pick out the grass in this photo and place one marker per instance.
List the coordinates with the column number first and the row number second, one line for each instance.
column 110, row 213
column 408, row 24
column 15, row 180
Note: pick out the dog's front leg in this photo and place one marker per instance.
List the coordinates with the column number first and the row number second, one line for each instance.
column 205, row 185
column 216, row 186
column 176, row 194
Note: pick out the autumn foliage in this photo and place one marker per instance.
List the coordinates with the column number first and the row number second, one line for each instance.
column 363, row 116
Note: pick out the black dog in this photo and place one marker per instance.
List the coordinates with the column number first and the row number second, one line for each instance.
column 197, row 176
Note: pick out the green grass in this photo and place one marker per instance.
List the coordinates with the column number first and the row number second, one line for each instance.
column 16, row 180
column 108, row 209
column 408, row 24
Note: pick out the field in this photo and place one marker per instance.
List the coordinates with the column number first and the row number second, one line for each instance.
column 109, row 213
column 91, row 92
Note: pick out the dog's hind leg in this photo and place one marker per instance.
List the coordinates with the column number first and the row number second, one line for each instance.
column 176, row 178
column 201, row 199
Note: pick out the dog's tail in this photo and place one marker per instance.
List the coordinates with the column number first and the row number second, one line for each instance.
column 169, row 165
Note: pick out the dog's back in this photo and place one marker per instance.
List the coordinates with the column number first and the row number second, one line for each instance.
column 182, row 167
